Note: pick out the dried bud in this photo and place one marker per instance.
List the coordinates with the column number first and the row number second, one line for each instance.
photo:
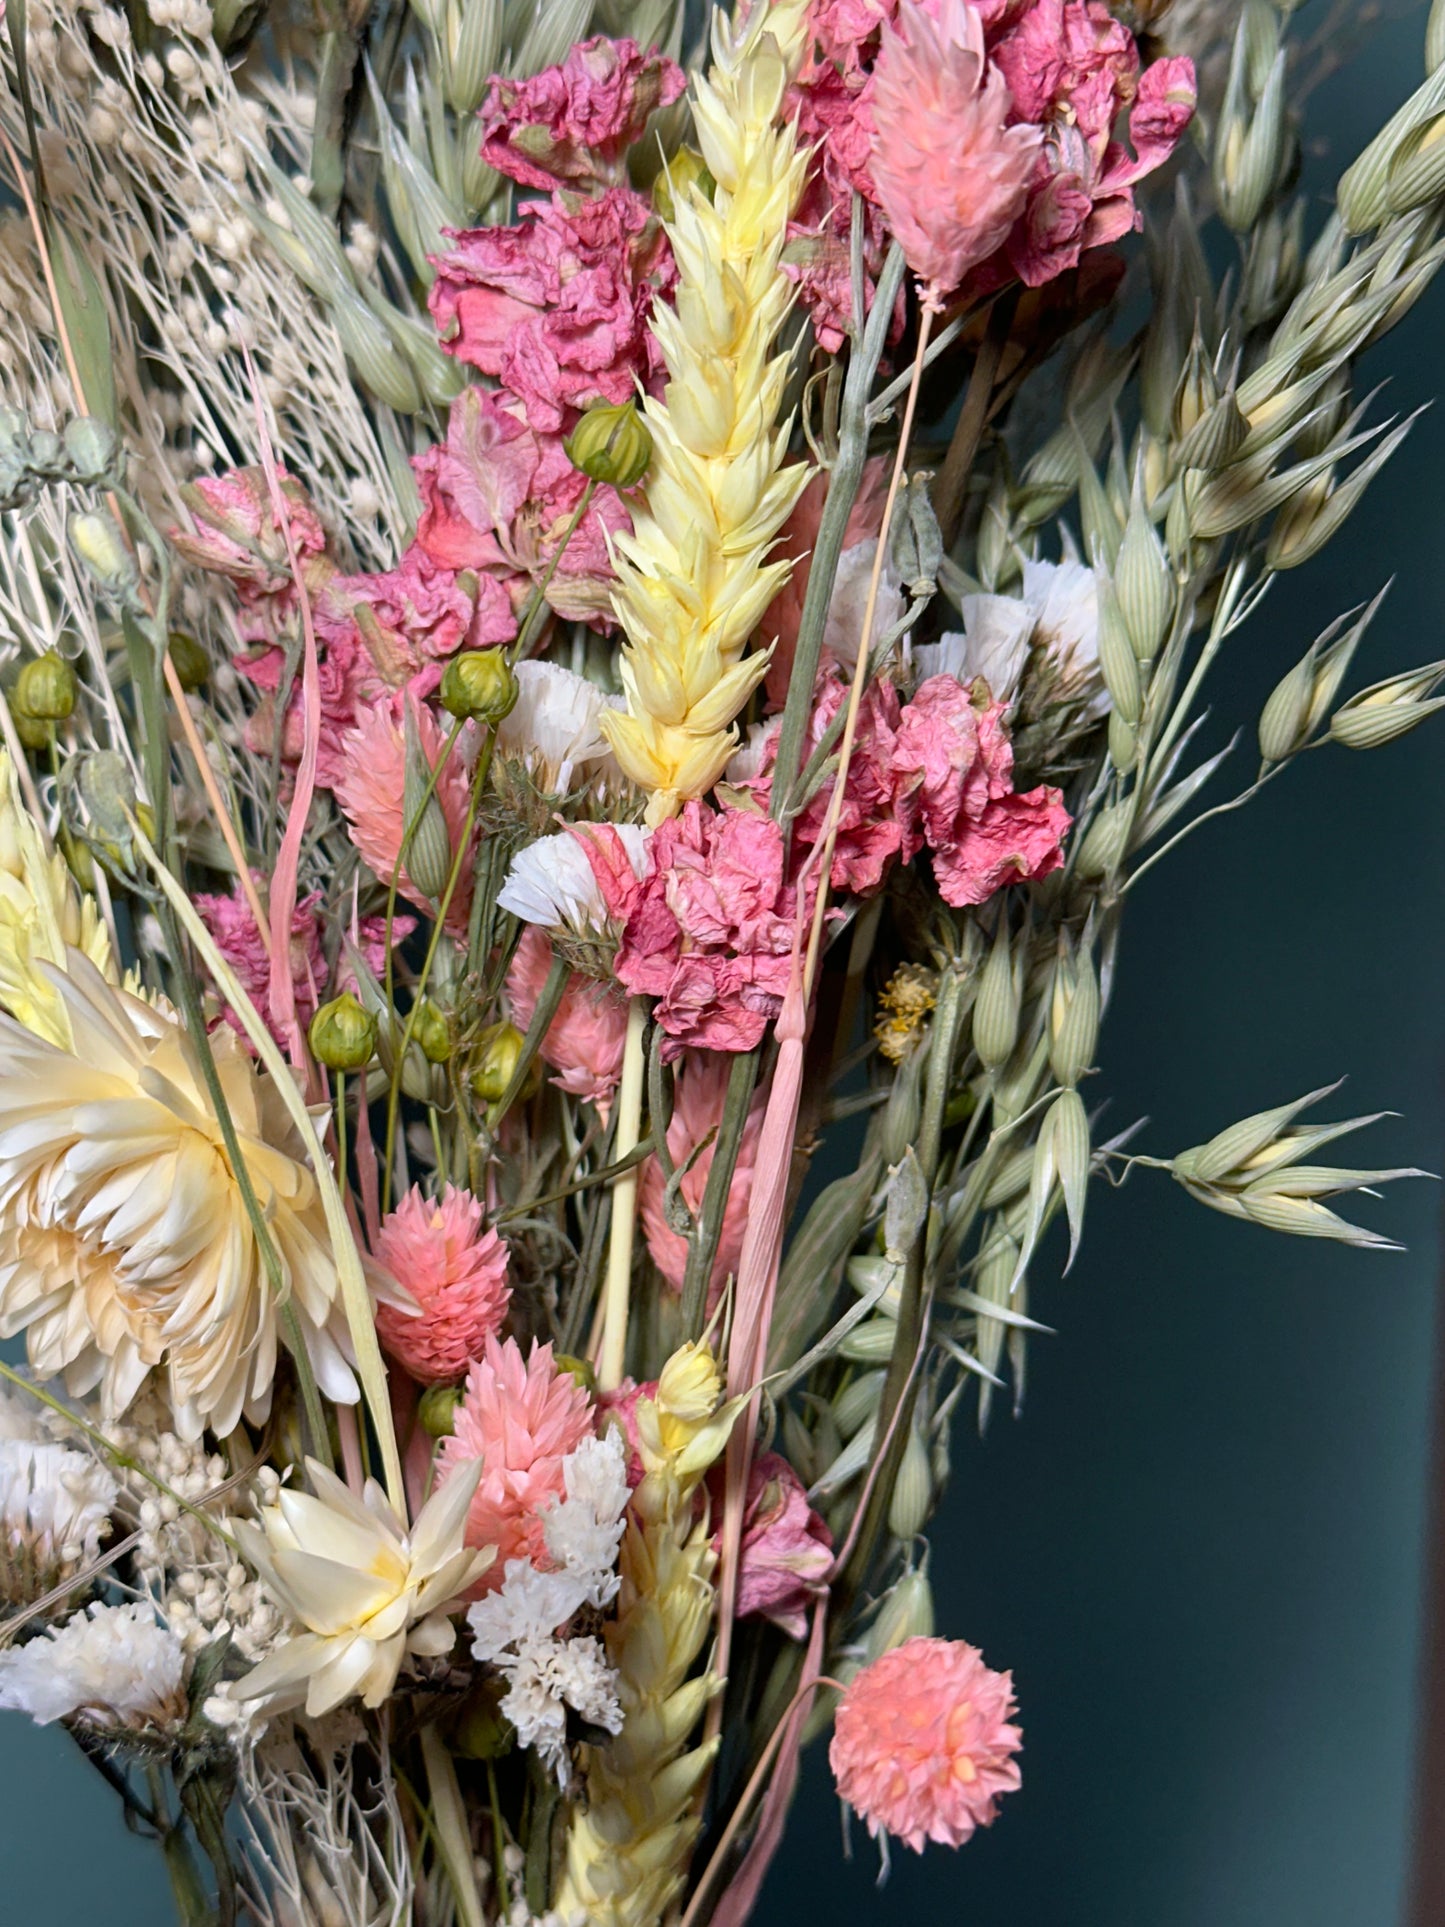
column 498, row 1050
column 97, row 540
column 479, row 685
column 343, row 1034
column 437, row 1410
column 45, row 689
column 429, row 1031
column 90, row 446
column 917, row 540
column 428, row 858
column 192, row 664
column 611, row 445
column 578, row 1369
column 686, row 169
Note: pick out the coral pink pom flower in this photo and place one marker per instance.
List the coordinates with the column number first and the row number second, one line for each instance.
column 587, row 1038
column 922, row 1743
column 455, row 1272
column 951, row 174
column 520, row 1417
column 370, row 789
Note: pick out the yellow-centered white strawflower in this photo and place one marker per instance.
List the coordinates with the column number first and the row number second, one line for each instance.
column 694, row 575
column 365, row 1591
column 628, row 1847
column 125, row 1244
column 42, row 912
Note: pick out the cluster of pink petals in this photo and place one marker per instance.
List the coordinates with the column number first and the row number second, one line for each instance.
column 950, row 170
column 230, row 922
column 497, row 499
column 708, row 931
column 521, row 1417
column 455, row 1271
column 557, row 306
column 420, row 612
column 786, row 1550
column 348, row 683
column 238, row 536
column 586, row 1039
column 573, row 123
column 699, row 1087
column 954, row 765
column 370, row 785
column 923, row 1746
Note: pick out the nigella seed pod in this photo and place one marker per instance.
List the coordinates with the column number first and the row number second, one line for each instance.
column 97, row 541
column 612, row 445
column 437, row 1410
column 479, row 685
column 428, row 858
column 343, row 1034
column 912, row 1497
column 429, row 1030
column 90, row 446
column 45, row 689
column 578, row 1369
column 996, row 1008
column 498, row 1050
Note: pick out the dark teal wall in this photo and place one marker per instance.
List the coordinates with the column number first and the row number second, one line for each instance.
column 1200, row 1548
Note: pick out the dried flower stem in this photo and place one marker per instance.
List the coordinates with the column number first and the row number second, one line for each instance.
column 612, row 1351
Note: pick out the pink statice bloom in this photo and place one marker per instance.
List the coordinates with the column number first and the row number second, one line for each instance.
column 951, row 172
column 348, row 683
column 923, row 1743
column 229, row 920
column 699, row 1087
column 521, row 1417
column 954, row 761
column 557, row 306
column 574, row 123
column 497, row 499
column 237, row 536
column 586, row 1039
column 787, row 1548
column 453, row 1267
column 370, row 790
column 421, row 611
column 709, row 929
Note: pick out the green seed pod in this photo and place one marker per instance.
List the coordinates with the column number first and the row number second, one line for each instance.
column 912, row 1497
column 429, row 854
column 192, row 664
column 480, row 685
column 686, row 169
column 429, row 1030
column 343, row 1034
column 497, row 1052
column 996, row 1008
column 611, row 445
column 91, row 447
column 437, row 1409
column 917, row 544
column 1074, row 1022
column 45, row 689
column 578, row 1369
column 97, row 540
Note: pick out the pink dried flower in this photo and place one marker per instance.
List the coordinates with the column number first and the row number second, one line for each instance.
column 348, row 682
column 575, row 122
column 370, row 790
column 586, row 1039
column 498, row 498
column 456, row 1271
column 237, row 535
column 709, row 929
column 787, row 1548
column 557, row 306
column 922, row 1743
column 697, row 1106
column 620, row 1408
column 230, row 922
column 955, row 762
column 520, row 1417
column 952, row 175
column 421, row 611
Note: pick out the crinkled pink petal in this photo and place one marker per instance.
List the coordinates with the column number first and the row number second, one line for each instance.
column 786, row 1550
column 586, row 1039
column 575, row 122
column 700, row 1085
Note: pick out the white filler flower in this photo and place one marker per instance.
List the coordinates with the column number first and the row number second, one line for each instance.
column 113, row 1665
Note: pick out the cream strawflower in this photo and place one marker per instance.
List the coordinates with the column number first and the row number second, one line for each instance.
column 115, row 1666
column 41, row 913
column 366, row 1593
column 124, row 1240
column 554, row 729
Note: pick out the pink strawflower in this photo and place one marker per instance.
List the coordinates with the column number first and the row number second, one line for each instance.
column 421, row 611
column 708, row 930
column 237, row 535
column 586, row 1039
column 370, row 790
column 786, row 1548
column 950, row 171
column 574, row 123
column 922, row 1743
column 557, row 306
column 955, row 764
column 439, row 1252
column 699, row 1088
column 520, row 1417
column 498, row 498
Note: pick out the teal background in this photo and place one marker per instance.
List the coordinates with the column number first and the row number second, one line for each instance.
column 1200, row 1549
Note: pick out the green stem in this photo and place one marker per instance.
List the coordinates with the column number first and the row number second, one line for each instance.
column 408, row 837
column 499, row 1857
column 702, row 1251
column 536, row 613
column 948, row 490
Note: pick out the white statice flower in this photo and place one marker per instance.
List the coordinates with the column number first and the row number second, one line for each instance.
column 125, row 1244
column 844, row 625
column 520, row 1628
column 115, row 1666
column 1056, row 618
column 551, row 881
column 55, row 1507
column 365, row 1593
column 554, row 728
